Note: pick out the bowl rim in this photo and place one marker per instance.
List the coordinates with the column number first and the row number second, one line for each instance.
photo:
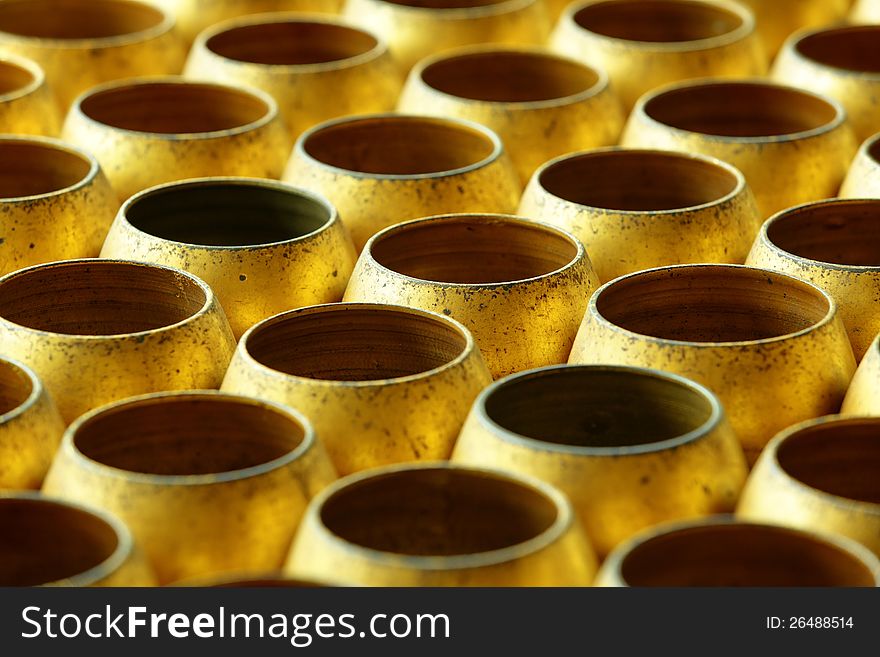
column 37, row 390
column 366, row 257
column 596, row 316
column 641, row 116
column 230, row 181
column 53, row 144
column 29, row 66
column 564, row 521
column 69, row 449
column 792, row 48
column 715, row 421
column 251, row 363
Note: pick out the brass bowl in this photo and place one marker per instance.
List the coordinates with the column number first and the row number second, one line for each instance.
column 865, row 11
column 645, row 44
column 383, row 169
column 863, row 178
column 863, row 395
column 636, row 209
column 262, row 246
column 149, row 131
column 776, row 20
column 55, row 202
column 381, row 384
column 722, row 552
column 540, row 104
column 27, row 107
column 836, row 245
column 772, row 347
column 519, row 286
column 30, row 427
column 415, row 29
column 193, row 16
column 80, row 44
column 630, row 447
column 822, row 476
column 207, row 482
column 442, row 525
column 316, row 68
column 842, row 63
column 51, row 542
column 99, row 330
column 793, row 146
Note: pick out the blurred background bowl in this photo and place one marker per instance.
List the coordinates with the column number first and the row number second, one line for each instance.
column 27, row 107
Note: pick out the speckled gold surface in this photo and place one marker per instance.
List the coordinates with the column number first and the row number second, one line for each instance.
column 635, row 209
column 193, row 16
column 316, row 68
column 190, row 518
column 405, row 499
column 415, row 30
column 238, row 224
column 166, row 129
column 571, row 107
column 55, row 203
column 94, row 363
column 27, row 107
column 643, row 47
column 392, row 384
column 403, row 167
column 633, row 468
column 791, row 145
column 523, row 311
column 94, row 42
column 819, row 476
column 30, row 427
column 863, row 395
column 838, row 62
column 833, row 245
column 98, row 549
column 773, row 348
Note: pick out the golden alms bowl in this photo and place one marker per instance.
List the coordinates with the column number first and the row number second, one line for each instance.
column 842, row 63
column 381, row 384
column 55, row 202
column 636, row 209
column 415, row 29
column 193, row 16
column 384, row 169
column 863, row 178
column 30, row 427
column 316, row 68
column 262, row 246
column 82, row 43
column 541, row 104
column 208, row 483
column 149, row 131
column 630, row 447
column 776, row 20
column 863, row 396
column 820, row 475
column 792, row 145
column 52, row 542
column 645, row 44
column 772, row 347
column 519, row 286
column 27, row 107
column 723, row 552
column 442, row 524
column 99, row 330
column 864, row 11
column 836, row 245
